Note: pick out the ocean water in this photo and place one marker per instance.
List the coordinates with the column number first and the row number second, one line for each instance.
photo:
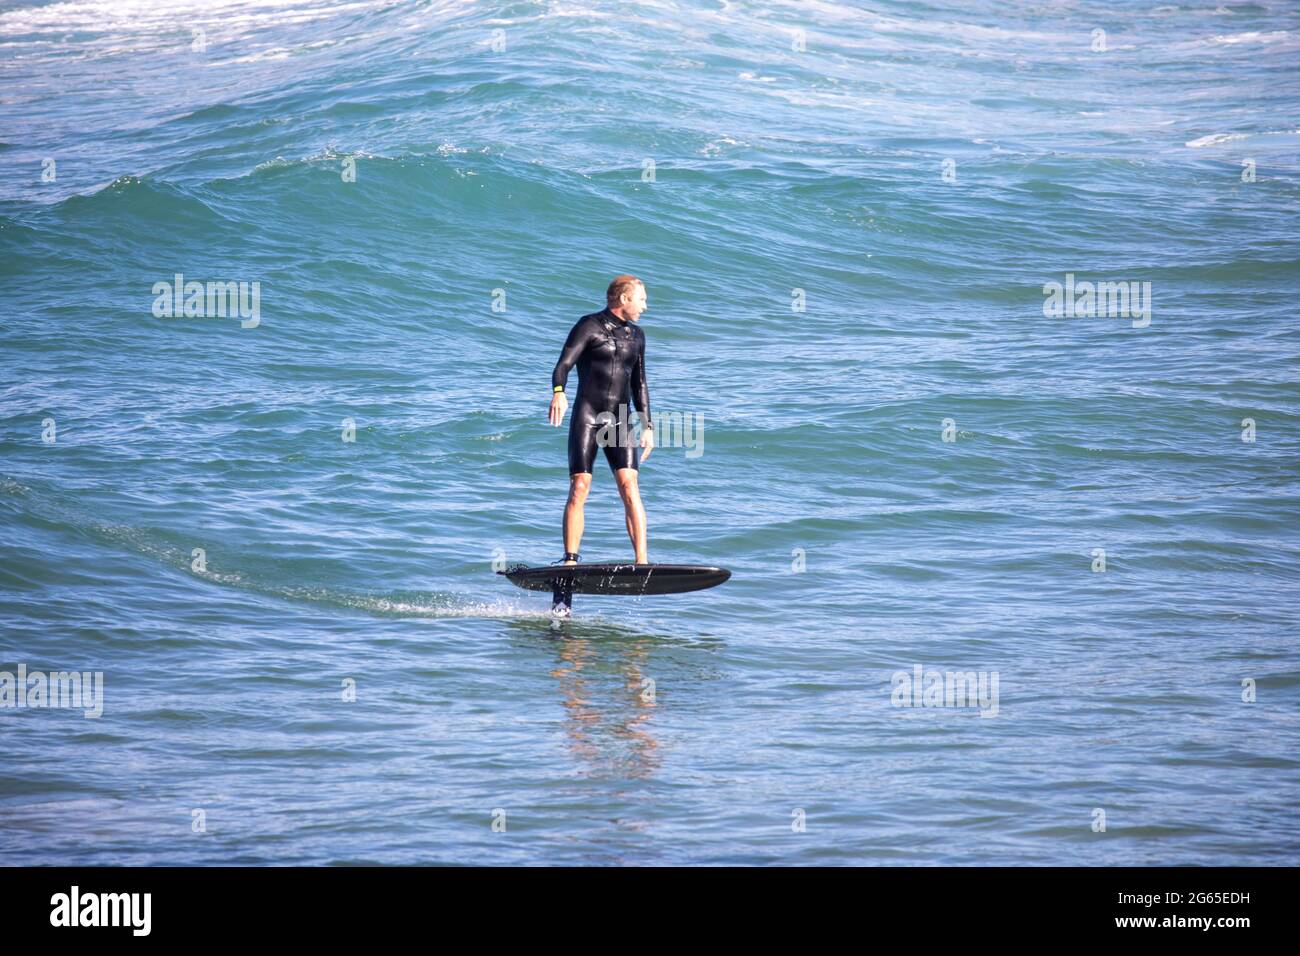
column 846, row 215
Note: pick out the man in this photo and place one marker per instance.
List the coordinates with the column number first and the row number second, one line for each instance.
column 609, row 351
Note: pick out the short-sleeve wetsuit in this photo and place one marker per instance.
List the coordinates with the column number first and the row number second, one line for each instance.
column 610, row 355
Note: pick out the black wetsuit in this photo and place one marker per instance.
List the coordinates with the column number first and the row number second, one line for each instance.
column 610, row 355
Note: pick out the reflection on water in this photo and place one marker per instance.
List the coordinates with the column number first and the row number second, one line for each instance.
column 606, row 686
column 608, row 703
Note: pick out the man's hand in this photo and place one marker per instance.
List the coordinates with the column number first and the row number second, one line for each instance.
column 559, row 405
column 647, row 442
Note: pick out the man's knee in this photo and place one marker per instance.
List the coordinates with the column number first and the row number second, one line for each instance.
column 627, row 486
column 579, row 485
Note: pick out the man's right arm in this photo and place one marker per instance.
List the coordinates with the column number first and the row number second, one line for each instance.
column 569, row 355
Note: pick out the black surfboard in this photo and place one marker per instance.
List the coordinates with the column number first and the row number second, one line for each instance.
column 565, row 580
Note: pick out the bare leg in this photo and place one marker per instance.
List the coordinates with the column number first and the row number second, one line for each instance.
column 574, row 516
column 634, row 511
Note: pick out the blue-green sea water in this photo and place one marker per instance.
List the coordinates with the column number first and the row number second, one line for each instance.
column 845, row 215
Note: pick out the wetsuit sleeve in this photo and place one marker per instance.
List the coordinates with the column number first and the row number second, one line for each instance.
column 640, row 390
column 579, row 335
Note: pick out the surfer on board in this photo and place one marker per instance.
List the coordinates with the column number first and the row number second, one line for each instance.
column 609, row 351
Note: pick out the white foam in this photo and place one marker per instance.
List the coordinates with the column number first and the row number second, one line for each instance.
column 1249, row 37
column 1218, row 139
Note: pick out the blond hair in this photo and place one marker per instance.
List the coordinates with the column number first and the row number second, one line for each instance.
column 620, row 285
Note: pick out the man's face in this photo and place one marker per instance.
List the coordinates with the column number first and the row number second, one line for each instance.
column 633, row 303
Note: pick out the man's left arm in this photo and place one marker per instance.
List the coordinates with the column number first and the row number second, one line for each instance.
column 641, row 399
